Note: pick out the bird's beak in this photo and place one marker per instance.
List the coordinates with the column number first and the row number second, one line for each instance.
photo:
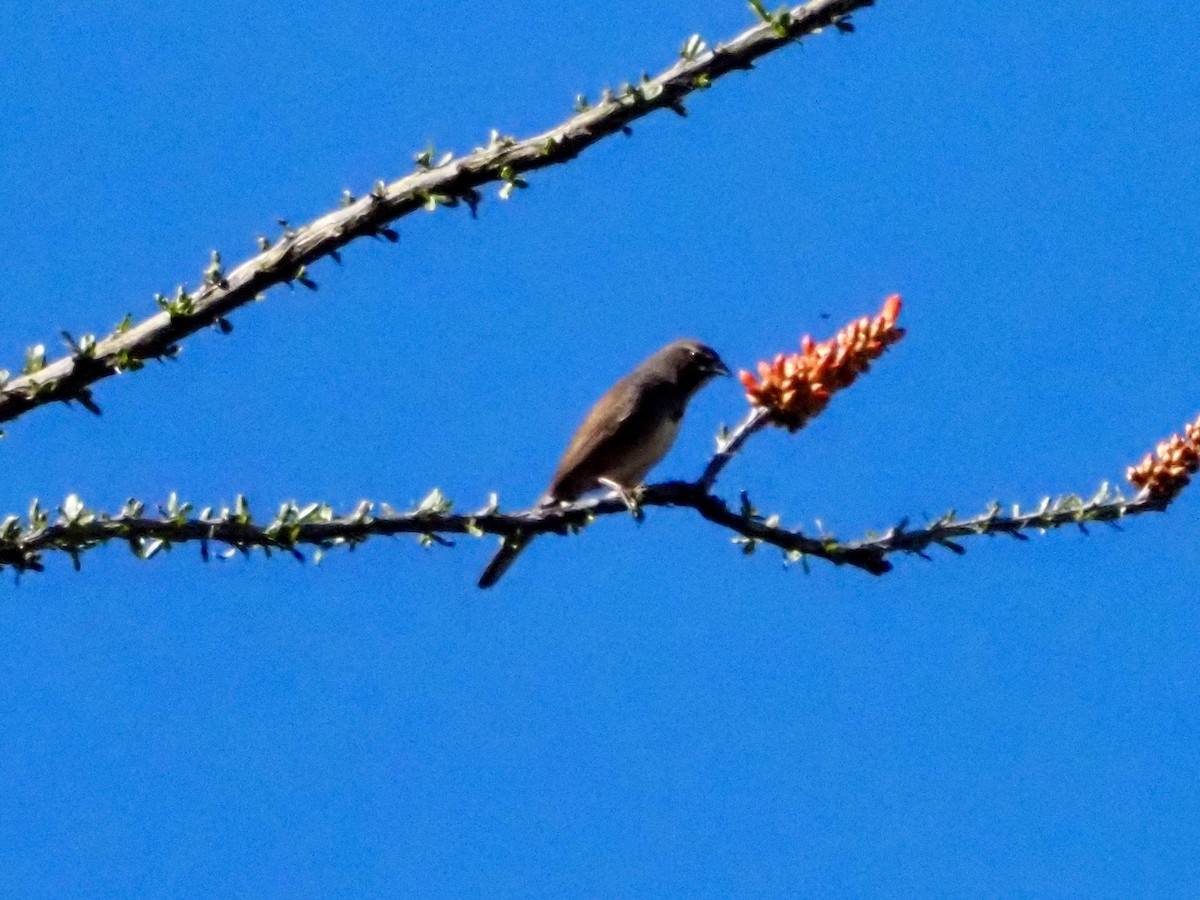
column 718, row 367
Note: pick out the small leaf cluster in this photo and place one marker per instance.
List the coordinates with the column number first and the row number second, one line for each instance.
column 693, row 47
column 780, row 20
column 181, row 305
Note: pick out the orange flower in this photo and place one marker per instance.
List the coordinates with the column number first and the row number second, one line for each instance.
column 797, row 387
column 1167, row 470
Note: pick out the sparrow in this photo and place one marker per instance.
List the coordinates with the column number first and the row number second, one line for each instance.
column 624, row 436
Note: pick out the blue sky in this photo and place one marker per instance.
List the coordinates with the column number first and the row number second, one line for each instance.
column 638, row 710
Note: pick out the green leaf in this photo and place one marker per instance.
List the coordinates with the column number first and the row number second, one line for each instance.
column 434, row 504
column 213, row 274
column 35, row 359
column 72, row 508
column 148, row 548
column 693, row 47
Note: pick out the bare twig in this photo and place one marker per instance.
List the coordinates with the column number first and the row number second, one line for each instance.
column 444, row 182
column 729, row 444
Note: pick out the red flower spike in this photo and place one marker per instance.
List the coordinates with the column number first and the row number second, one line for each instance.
column 1165, row 472
column 797, row 387
column 891, row 309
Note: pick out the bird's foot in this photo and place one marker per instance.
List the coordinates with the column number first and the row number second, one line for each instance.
column 631, row 497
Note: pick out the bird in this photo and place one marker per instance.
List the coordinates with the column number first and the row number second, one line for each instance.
column 624, row 435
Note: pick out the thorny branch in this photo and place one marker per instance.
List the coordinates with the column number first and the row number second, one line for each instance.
column 794, row 388
column 1106, row 506
column 435, row 182
column 74, row 529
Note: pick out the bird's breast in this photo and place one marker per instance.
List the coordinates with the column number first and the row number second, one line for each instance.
column 644, row 455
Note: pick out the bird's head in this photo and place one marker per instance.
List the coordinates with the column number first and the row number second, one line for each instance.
column 691, row 364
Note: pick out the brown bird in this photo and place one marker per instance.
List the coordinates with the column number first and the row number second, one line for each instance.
column 627, row 432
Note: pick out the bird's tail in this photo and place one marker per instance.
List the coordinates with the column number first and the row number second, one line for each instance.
column 505, row 557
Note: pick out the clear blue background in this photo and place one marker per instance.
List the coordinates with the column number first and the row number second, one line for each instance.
column 636, row 711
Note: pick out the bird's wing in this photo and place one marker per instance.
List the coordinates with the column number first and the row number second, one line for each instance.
column 613, row 424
